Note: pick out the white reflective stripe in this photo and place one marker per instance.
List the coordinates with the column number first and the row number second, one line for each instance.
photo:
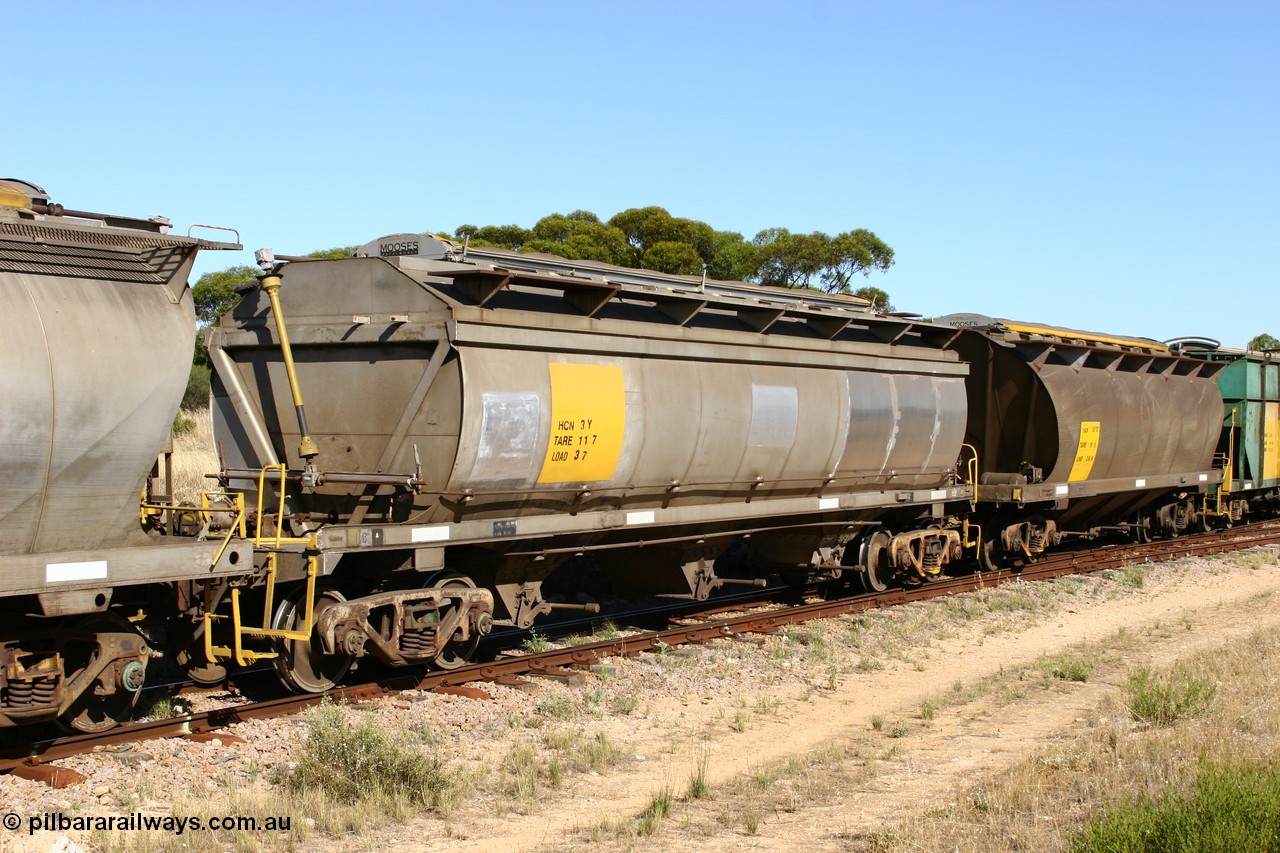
column 1138, row 484
column 430, row 534
column 1061, row 490
column 645, row 517
column 1204, row 478
column 66, row 572
column 938, row 495
column 1248, row 485
column 828, row 503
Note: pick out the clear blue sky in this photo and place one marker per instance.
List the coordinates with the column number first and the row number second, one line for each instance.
column 1101, row 165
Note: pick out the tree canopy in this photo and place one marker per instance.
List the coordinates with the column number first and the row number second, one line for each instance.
column 215, row 292
column 878, row 298
column 651, row 238
column 801, row 260
column 1263, row 342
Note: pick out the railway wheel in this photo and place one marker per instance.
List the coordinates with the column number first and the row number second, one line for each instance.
column 873, row 560
column 1142, row 531
column 186, row 643
column 199, row 670
column 989, row 551
column 302, row 665
column 456, row 653
column 110, row 699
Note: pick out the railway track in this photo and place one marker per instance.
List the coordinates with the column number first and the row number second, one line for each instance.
column 712, row 624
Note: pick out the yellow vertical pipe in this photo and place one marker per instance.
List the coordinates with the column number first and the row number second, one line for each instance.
column 271, row 284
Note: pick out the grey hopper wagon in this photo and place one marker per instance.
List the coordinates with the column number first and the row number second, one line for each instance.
column 96, row 333
column 1078, row 432
column 494, row 413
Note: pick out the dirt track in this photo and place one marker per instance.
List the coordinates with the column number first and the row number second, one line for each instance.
column 1178, row 609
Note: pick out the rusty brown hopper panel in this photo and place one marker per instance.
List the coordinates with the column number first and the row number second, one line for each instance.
column 1082, row 407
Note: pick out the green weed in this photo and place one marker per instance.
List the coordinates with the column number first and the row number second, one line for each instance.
column 1163, row 699
column 355, row 760
column 1230, row 809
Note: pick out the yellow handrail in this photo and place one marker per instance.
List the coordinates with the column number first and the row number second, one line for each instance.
column 1228, row 472
column 206, row 509
column 971, row 468
column 270, row 548
column 239, row 630
column 279, row 539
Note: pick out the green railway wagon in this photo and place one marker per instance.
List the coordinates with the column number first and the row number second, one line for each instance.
column 1249, row 449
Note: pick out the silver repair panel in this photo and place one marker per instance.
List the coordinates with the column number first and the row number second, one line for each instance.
column 773, row 415
column 509, row 428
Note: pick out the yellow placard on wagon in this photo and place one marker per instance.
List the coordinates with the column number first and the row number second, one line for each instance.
column 588, row 416
column 1086, row 450
column 1271, row 442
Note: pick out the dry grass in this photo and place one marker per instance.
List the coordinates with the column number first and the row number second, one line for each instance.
column 353, row 760
column 193, row 455
column 1257, row 558
column 259, row 802
column 350, row 774
column 1157, row 742
column 801, row 781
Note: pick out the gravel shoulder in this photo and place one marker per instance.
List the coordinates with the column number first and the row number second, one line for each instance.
column 895, row 691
